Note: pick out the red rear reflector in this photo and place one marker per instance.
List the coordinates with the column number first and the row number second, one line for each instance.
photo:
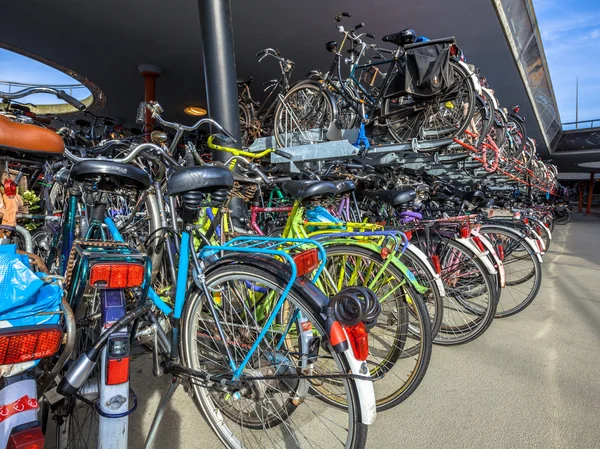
column 10, row 188
column 359, row 340
column 453, row 50
column 500, row 252
column 479, row 244
column 437, row 266
column 119, row 275
column 526, row 220
column 384, row 252
column 539, row 244
column 31, row 438
column 408, row 235
column 465, row 232
column 306, row 261
column 17, row 346
column 117, row 371
column 516, row 109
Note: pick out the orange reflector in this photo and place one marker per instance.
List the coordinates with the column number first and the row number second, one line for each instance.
column 465, row 232
column 500, row 252
column 120, row 275
column 306, row 261
column 479, row 243
column 31, row 438
column 117, row 371
column 437, row 266
column 359, row 341
column 17, row 346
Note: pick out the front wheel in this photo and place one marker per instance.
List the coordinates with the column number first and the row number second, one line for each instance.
column 303, row 116
column 281, row 410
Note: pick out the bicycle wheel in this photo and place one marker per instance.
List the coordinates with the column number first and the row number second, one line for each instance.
column 303, row 116
column 470, row 301
column 400, row 343
column 75, row 422
column 522, row 267
column 271, row 412
column 443, row 116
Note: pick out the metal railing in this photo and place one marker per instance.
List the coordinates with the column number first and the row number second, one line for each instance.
column 10, row 86
column 571, row 126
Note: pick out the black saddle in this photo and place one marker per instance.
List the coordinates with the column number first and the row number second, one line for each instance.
column 392, row 197
column 301, row 190
column 244, row 82
column 204, row 179
column 471, row 195
column 401, row 38
column 345, row 186
column 110, row 174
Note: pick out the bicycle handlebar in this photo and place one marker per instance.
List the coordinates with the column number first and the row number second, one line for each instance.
column 44, row 90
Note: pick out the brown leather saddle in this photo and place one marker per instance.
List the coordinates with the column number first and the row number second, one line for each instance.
column 29, row 141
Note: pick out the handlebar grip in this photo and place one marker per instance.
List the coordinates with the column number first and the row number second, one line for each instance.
column 69, row 99
column 346, row 14
column 284, row 154
column 372, row 36
column 359, row 26
column 260, row 53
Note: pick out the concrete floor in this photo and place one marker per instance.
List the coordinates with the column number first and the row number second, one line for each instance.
column 532, row 381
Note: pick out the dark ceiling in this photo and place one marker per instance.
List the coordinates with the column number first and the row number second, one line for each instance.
column 105, row 40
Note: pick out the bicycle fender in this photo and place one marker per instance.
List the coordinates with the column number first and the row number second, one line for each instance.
column 423, row 258
column 483, row 256
column 366, row 392
column 494, row 255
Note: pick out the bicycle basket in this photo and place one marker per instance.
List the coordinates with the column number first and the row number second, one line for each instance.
column 427, row 70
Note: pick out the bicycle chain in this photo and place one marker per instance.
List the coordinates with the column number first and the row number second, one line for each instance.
column 73, row 255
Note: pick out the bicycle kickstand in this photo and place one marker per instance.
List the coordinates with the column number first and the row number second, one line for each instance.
column 160, row 411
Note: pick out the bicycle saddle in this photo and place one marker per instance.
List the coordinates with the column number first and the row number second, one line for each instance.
column 472, row 195
column 301, row 190
column 110, row 174
column 29, row 140
column 205, row 179
column 403, row 37
column 244, row 82
column 345, row 186
column 392, row 197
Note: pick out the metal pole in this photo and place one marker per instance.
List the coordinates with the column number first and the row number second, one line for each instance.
column 577, row 102
column 580, row 196
column 590, row 190
column 221, row 79
column 219, row 67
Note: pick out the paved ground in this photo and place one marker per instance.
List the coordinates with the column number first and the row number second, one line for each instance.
column 532, row 381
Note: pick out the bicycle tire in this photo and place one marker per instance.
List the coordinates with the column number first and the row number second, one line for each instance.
column 216, row 416
column 460, row 78
column 314, row 104
column 413, row 324
column 515, row 241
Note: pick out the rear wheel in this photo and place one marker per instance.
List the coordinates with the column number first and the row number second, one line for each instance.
column 400, row 343
column 272, row 412
column 522, row 267
column 442, row 116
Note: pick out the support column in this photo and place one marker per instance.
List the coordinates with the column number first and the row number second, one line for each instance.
column 150, row 73
column 219, row 67
column 580, row 196
column 590, row 190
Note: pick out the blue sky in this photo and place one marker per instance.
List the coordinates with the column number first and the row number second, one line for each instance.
column 571, row 37
column 15, row 67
